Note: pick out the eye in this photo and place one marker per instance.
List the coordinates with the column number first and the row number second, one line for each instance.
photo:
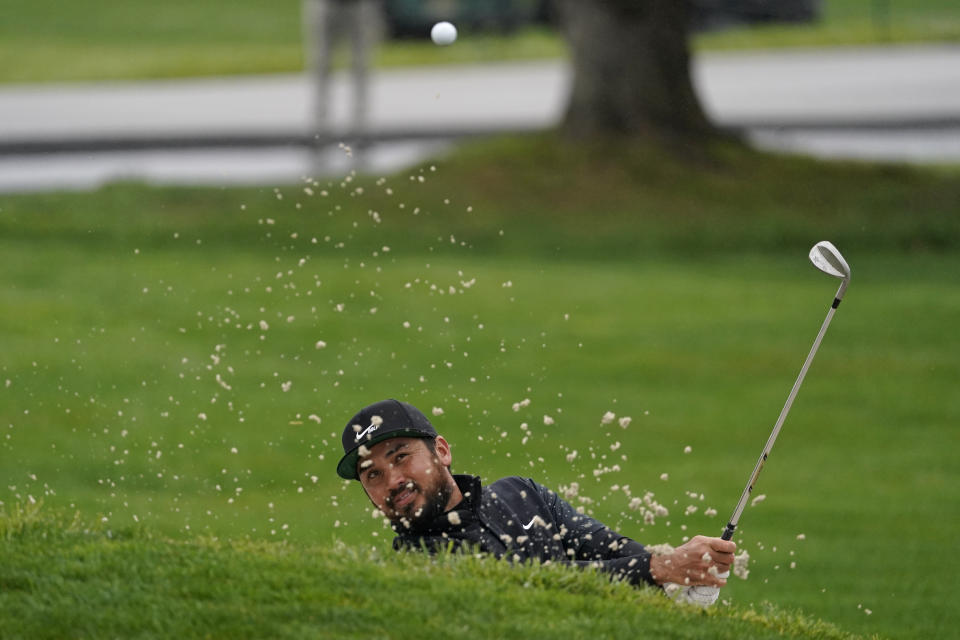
column 373, row 474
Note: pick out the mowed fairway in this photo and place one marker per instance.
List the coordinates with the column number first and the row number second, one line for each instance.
column 184, row 360
column 51, row 41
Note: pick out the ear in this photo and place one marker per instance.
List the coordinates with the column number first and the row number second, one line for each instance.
column 443, row 451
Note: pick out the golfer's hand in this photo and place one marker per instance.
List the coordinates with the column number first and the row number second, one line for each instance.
column 700, row 561
column 700, row 595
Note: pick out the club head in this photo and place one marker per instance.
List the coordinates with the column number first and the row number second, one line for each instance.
column 828, row 259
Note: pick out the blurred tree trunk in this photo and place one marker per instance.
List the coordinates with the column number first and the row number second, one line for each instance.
column 631, row 66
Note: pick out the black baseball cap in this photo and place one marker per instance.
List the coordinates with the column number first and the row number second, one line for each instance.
column 376, row 423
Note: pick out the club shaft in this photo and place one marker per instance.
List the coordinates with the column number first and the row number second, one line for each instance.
column 735, row 518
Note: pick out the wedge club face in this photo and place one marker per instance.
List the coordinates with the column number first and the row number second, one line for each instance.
column 828, row 259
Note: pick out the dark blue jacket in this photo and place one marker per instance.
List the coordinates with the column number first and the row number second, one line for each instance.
column 522, row 520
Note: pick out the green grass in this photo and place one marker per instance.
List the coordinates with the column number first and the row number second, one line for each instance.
column 135, row 584
column 47, row 41
column 138, row 387
column 850, row 22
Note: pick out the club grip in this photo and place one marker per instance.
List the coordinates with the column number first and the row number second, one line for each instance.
column 728, row 532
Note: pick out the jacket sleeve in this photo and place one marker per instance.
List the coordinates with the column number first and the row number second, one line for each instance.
column 590, row 543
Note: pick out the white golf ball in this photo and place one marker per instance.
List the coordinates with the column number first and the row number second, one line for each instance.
column 443, row 33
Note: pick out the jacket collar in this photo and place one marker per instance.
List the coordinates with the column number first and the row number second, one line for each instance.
column 471, row 488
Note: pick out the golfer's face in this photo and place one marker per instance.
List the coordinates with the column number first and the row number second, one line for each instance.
column 400, row 476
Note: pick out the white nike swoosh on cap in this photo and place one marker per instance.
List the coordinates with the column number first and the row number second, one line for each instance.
column 370, row 429
column 530, row 524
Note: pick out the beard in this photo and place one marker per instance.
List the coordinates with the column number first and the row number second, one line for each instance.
column 418, row 518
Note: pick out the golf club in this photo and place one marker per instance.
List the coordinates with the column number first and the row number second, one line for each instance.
column 827, row 258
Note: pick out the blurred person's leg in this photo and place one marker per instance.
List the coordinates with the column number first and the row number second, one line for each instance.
column 366, row 23
column 320, row 34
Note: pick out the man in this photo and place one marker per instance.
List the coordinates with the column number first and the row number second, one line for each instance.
column 404, row 467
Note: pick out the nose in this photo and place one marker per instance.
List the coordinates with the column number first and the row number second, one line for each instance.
column 395, row 479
